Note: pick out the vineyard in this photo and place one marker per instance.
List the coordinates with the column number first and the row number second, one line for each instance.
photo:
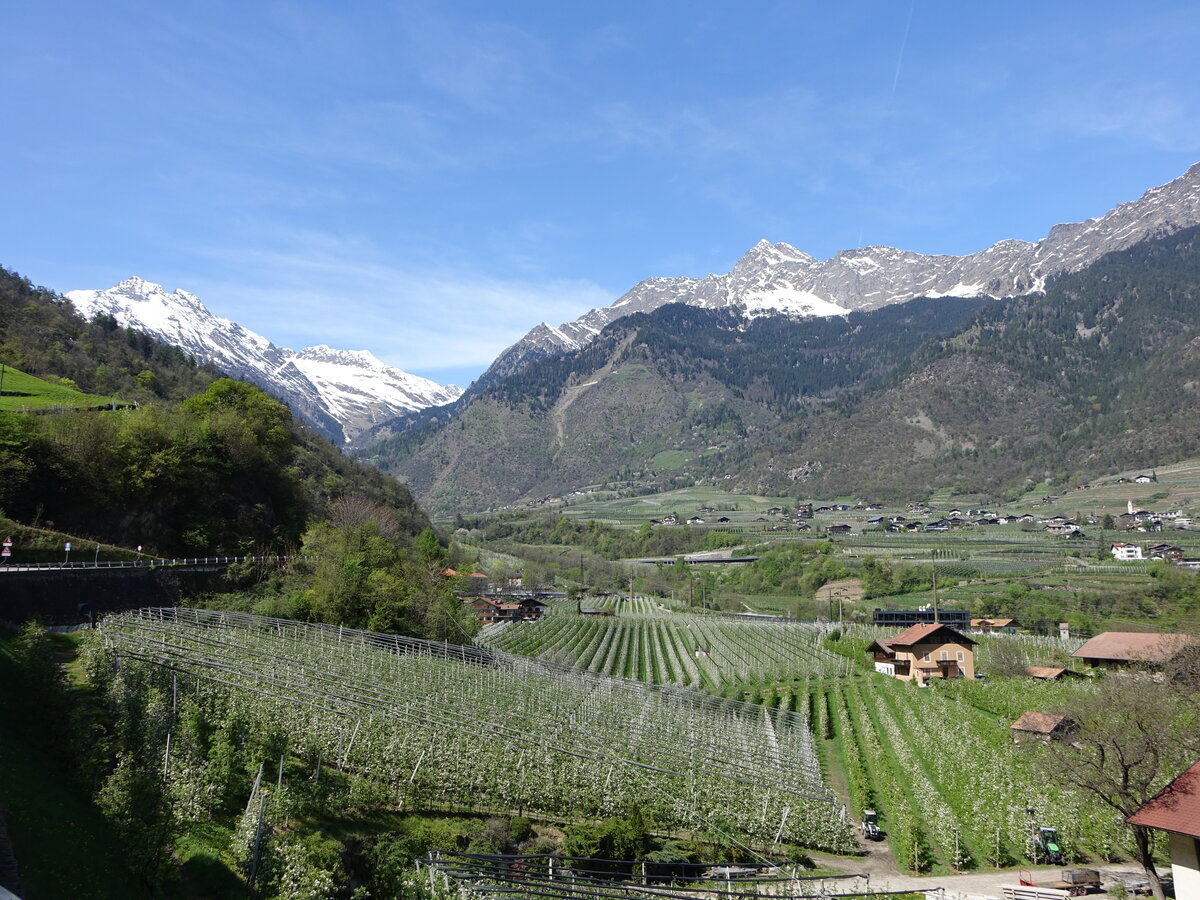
column 426, row 725
column 701, row 652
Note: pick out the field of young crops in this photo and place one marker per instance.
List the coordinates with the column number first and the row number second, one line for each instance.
column 703, row 652
column 429, row 725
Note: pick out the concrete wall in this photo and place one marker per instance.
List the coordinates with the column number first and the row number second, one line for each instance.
column 1185, row 866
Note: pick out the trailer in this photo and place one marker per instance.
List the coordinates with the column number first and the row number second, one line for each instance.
column 1075, row 881
column 1032, row 892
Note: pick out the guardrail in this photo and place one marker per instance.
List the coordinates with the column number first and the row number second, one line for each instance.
column 145, row 563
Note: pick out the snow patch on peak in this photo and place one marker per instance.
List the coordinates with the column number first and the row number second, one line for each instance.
column 358, row 358
column 340, row 392
column 790, row 302
column 766, row 253
column 139, row 287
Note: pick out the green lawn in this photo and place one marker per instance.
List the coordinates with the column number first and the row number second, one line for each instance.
column 670, row 459
column 34, row 393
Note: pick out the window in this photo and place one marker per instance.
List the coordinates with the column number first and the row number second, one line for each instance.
column 926, row 656
column 945, row 654
column 960, row 656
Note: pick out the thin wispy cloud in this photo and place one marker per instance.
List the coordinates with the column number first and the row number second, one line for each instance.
column 445, row 175
column 326, row 289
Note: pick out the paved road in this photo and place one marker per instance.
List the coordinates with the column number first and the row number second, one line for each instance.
column 880, row 865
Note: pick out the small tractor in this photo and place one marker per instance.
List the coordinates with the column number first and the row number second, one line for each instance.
column 1046, row 843
column 870, row 825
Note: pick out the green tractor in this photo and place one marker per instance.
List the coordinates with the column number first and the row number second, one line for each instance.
column 1046, row 845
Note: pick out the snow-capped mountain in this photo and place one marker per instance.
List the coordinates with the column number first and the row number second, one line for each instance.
column 779, row 279
column 340, row 392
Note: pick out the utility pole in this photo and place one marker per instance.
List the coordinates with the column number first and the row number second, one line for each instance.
column 933, row 561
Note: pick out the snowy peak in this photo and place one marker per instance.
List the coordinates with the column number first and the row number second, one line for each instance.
column 341, row 393
column 764, row 253
column 778, row 279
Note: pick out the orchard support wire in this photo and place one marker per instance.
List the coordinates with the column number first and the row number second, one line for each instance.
column 489, row 698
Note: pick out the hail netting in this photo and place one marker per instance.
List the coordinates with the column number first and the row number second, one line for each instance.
column 441, row 724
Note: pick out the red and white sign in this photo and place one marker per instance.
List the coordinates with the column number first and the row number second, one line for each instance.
column 7, row 551
column 8, row 542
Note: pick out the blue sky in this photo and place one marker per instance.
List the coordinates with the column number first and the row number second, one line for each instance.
column 430, row 180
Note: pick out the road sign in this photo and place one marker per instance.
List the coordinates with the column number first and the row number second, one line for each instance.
column 6, row 552
column 8, row 542
column 68, row 546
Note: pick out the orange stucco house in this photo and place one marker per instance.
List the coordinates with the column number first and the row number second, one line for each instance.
column 924, row 652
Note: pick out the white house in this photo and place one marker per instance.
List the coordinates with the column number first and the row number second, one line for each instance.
column 1124, row 551
column 1176, row 810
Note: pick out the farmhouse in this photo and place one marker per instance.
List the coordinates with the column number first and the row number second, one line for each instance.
column 1176, row 810
column 1165, row 551
column 994, row 626
column 1129, row 650
column 924, row 652
column 838, row 529
column 1062, row 528
column 505, row 609
column 1041, row 726
column 1122, row 550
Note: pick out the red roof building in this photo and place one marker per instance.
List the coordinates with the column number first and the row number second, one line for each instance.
column 1176, row 810
column 924, row 652
column 1041, row 726
column 1122, row 649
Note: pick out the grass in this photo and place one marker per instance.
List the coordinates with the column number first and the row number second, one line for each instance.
column 629, row 372
column 670, row 459
column 34, row 393
column 206, row 870
column 63, row 845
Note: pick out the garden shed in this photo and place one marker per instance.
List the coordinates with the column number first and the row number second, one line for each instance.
column 1042, row 727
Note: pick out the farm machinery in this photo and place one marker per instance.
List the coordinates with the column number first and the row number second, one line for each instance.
column 1047, row 846
column 1076, row 881
column 870, row 826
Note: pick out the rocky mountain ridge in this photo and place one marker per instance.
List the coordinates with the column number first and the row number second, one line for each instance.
column 341, row 393
column 1097, row 373
column 780, row 279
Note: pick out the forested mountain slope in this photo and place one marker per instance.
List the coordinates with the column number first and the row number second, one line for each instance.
column 656, row 398
column 202, row 465
column 1100, row 371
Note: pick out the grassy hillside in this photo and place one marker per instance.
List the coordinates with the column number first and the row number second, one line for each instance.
column 21, row 391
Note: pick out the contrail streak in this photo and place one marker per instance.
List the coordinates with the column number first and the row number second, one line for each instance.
column 903, row 43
